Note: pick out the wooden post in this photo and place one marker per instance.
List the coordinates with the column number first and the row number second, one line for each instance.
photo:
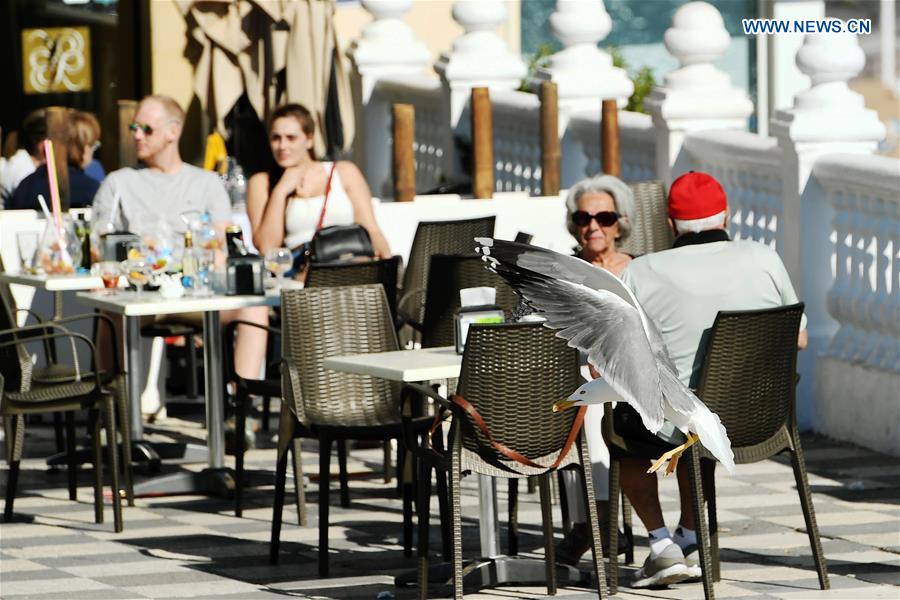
column 550, row 153
column 404, row 166
column 609, row 139
column 58, row 131
column 482, row 144
column 127, row 152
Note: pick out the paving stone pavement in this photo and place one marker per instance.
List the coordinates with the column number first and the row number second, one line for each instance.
column 194, row 547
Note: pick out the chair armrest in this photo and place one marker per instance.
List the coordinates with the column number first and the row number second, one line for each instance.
column 59, row 335
column 114, row 337
column 291, row 394
column 228, row 352
column 409, row 297
column 428, row 391
column 49, row 350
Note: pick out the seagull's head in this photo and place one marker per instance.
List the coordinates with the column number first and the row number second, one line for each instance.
column 579, row 397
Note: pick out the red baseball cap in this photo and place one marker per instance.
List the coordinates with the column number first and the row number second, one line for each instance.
column 696, row 195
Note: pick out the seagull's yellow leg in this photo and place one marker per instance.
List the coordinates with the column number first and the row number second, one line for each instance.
column 674, row 454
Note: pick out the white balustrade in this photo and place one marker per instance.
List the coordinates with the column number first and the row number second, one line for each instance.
column 581, row 147
column 865, row 297
column 517, row 144
column 750, row 169
column 432, row 133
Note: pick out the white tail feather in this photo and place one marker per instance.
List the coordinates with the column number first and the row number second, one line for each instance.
column 709, row 428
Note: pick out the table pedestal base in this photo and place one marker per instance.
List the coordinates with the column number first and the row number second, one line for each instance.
column 146, row 455
column 490, row 572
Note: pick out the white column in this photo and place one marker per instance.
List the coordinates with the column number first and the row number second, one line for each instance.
column 388, row 46
column 826, row 118
column 697, row 95
column 887, row 26
column 584, row 74
column 785, row 80
column 479, row 57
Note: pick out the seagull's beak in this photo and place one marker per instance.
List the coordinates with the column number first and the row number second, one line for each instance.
column 561, row 405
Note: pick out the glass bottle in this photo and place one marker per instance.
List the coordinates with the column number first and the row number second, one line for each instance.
column 188, row 261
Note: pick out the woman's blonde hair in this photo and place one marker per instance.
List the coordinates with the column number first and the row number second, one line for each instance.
column 84, row 131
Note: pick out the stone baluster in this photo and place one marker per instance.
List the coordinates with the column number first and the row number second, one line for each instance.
column 697, row 95
column 478, row 58
column 387, row 46
column 584, row 74
column 826, row 118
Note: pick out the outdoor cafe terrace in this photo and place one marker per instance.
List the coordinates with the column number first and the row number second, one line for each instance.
column 808, row 184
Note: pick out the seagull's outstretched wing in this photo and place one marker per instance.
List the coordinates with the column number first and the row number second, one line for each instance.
column 511, row 259
column 608, row 329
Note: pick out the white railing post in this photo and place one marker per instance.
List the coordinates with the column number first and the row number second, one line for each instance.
column 697, row 95
column 826, row 118
column 478, row 58
column 387, row 46
column 584, row 74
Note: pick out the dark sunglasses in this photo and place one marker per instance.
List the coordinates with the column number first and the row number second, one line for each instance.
column 133, row 127
column 604, row 218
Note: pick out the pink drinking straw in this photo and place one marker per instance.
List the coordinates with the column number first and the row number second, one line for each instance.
column 54, row 185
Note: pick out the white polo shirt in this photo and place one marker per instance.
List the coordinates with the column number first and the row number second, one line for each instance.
column 683, row 289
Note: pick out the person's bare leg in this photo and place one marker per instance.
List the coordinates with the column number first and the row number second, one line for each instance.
column 642, row 490
column 104, row 342
column 250, row 346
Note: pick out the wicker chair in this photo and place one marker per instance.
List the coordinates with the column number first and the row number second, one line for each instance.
column 55, row 372
column 748, row 378
column 320, row 275
column 22, row 396
column 650, row 230
column 435, row 237
column 322, row 322
column 500, row 362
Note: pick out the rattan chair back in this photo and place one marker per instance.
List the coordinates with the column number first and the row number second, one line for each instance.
column 439, row 237
column 322, row 322
column 15, row 363
column 512, row 374
column 748, row 378
column 447, row 275
column 650, row 230
column 383, row 271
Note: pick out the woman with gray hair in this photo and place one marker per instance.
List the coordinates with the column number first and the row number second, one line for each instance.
column 600, row 212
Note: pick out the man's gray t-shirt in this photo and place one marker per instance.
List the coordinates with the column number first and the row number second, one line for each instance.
column 150, row 197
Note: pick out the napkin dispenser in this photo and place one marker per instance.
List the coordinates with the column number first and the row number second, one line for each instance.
column 116, row 245
column 477, row 308
column 244, row 276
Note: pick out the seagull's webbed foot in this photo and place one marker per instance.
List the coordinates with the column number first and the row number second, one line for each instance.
column 673, row 455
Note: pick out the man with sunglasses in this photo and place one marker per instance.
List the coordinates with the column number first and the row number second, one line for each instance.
column 682, row 290
column 159, row 191
column 163, row 186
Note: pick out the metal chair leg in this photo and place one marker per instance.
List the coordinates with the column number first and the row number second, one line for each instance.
column 342, row 473
column 547, row 526
column 324, row 483
column 278, row 506
column 240, row 423
column 703, row 545
column 809, row 512
column 587, row 483
column 512, row 531
column 112, row 437
column 71, row 462
column 615, row 468
column 15, row 437
column 423, row 515
column 94, row 426
column 456, row 498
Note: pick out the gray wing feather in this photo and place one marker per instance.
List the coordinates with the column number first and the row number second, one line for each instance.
column 610, row 332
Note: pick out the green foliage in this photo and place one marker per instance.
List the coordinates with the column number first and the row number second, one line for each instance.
column 643, row 80
column 536, row 61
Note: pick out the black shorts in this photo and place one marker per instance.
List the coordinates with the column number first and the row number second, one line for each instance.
column 627, row 423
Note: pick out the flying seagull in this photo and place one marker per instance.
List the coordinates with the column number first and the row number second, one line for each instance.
column 595, row 312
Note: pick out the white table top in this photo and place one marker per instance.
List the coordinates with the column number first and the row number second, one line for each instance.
column 54, row 283
column 125, row 302
column 402, row 365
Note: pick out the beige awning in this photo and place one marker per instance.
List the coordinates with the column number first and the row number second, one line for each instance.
column 237, row 47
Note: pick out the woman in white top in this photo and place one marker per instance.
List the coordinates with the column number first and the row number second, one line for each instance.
column 284, row 204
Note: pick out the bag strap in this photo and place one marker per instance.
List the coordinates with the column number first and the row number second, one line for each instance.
column 327, row 192
column 509, row 452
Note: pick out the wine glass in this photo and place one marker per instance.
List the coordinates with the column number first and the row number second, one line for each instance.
column 138, row 271
column 279, row 261
column 109, row 271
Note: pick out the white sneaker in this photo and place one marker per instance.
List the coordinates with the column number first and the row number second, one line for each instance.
column 668, row 567
column 692, row 561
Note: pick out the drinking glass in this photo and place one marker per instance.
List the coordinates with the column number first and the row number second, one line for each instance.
column 109, row 271
column 27, row 243
column 138, row 272
column 279, row 261
column 203, row 279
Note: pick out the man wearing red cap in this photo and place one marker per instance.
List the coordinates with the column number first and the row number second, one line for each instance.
column 682, row 290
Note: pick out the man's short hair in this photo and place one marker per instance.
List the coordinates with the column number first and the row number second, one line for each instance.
column 34, row 131
column 172, row 109
column 717, row 221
